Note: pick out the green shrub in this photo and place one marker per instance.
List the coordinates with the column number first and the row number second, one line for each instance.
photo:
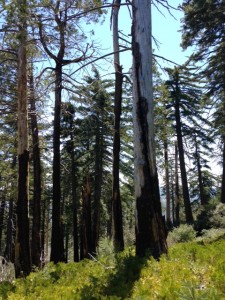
column 183, row 233
column 189, row 271
column 210, row 216
column 217, row 218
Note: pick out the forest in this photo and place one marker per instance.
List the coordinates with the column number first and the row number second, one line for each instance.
column 112, row 178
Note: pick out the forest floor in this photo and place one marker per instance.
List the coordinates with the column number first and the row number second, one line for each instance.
column 191, row 270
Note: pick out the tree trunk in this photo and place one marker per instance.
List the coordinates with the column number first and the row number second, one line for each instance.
column 177, row 193
column 22, row 244
column 117, row 218
column 187, row 203
column 36, row 228
column 74, row 205
column 57, row 247
column 2, row 214
column 86, row 221
column 97, row 181
column 150, row 226
column 203, row 197
column 168, row 200
column 222, row 197
column 9, row 253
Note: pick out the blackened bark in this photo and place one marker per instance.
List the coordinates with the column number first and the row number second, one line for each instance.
column 150, row 225
column 117, row 218
column 57, row 247
column 22, row 248
column 36, row 228
column 22, row 243
column 187, row 203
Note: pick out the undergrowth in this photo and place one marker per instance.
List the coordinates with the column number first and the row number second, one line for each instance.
column 191, row 270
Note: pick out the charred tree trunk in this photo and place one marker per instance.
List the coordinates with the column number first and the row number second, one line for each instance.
column 150, row 226
column 22, row 244
column 36, row 228
column 117, row 218
column 187, row 203
column 57, row 247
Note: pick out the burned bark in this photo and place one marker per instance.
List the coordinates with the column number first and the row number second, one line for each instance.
column 150, row 226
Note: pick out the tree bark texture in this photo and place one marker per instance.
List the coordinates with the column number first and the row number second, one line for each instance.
column 36, row 228
column 150, row 226
column 22, row 244
column 117, row 219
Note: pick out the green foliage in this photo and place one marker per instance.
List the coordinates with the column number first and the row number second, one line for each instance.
column 211, row 216
column 189, row 271
column 183, row 233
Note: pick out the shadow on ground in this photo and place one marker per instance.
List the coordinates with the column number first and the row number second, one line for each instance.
column 128, row 272
column 120, row 281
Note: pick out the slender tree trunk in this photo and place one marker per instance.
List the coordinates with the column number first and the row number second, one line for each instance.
column 2, row 214
column 36, row 228
column 57, row 247
column 43, row 231
column 150, row 226
column 177, row 193
column 222, row 199
column 9, row 253
column 97, row 182
column 117, row 218
column 187, row 203
column 86, row 232
column 168, row 200
column 74, row 205
column 22, row 244
column 203, row 197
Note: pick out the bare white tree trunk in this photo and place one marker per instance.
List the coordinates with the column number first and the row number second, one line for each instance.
column 150, row 229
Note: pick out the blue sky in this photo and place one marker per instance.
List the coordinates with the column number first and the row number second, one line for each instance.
column 165, row 29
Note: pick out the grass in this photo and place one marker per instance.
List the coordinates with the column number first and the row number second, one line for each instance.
column 191, row 270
